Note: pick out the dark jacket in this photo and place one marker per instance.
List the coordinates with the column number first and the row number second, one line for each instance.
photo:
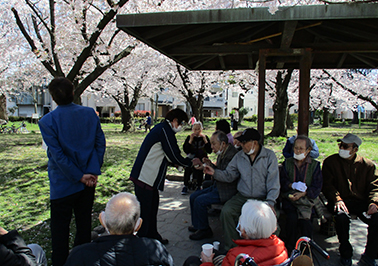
column 346, row 180
column 112, row 250
column 157, row 150
column 14, row 252
column 198, row 147
column 226, row 190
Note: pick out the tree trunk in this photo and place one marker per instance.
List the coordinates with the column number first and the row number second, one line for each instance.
column 289, row 121
column 280, row 104
column 3, row 107
column 241, row 101
column 127, row 119
column 325, row 117
column 197, row 107
column 355, row 117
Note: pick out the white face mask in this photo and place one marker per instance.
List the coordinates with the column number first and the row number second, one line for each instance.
column 178, row 129
column 220, row 151
column 236, row 146
column 345, row 154
column 299, row 157
column 251, row 151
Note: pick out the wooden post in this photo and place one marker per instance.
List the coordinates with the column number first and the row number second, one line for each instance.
column 304, row 92
column 261, row 98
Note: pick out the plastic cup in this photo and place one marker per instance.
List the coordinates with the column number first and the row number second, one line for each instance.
column 207, row 249
column 216, row 245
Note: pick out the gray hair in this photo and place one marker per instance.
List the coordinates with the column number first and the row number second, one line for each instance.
column 305, row 138
column 198, row 123
column 121, row 213
column 221, row 136
column 257, row 219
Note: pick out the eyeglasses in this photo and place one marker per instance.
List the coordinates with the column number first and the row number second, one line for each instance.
column 344, row 146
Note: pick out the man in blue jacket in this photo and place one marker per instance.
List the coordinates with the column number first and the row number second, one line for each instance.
column 148, row 174
column 76, row 147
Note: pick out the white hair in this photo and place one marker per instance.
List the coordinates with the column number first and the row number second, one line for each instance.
column 198, row 123
column 257, row 219
column 121, row 213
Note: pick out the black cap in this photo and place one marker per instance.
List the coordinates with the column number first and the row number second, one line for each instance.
column 249, row 134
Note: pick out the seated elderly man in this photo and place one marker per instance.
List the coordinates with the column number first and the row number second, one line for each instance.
column 351, row 187
column 301, row 183
column 257, row 168
column 121, row 219
column 256, row 226
column 219, row 192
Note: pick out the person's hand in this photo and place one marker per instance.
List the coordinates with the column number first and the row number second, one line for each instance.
column 3, row 231
column 206, row 160
column 341, row 207
column 191, row 138
column 89, row 180
column 209, row 170
column 203, row 137
column 372, row 209
column 297, row 195
column 197, row 164
column 205, row 258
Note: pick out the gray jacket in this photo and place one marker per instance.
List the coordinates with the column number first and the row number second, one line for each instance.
column 259, row 181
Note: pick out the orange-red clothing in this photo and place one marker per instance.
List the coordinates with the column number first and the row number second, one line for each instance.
column 265, row 252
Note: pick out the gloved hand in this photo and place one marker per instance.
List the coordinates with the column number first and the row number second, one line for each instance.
column 300, row 186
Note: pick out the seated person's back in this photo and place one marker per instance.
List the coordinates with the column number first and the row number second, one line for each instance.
column 121, row 247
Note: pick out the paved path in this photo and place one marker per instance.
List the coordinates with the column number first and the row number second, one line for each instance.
column 174, row 219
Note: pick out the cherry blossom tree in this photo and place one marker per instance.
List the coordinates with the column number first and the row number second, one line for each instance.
column 75, row 39
column 193, row 86
column 359, row 85
column 131, row 79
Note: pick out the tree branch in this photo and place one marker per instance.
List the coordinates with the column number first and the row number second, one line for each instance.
column 34, row 49
column 86, row 52
column 359, row 96
column 99, row 70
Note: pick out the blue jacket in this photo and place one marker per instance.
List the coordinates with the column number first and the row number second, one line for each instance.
column 157, row 150
column 76, row 146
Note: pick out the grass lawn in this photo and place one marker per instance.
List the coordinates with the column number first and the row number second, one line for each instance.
column 24, row 184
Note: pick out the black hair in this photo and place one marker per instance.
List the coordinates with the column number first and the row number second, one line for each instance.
column 223, row 125
column 61, row 90
column 148, row 114
column 177, row 113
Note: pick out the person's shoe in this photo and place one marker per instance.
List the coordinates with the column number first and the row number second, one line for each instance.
column 201, row 234
column 345, row 262
column 192, row 229
column 366, row 261
column 184, row 191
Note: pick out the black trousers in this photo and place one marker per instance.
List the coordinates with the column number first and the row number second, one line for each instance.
column 296, row 228
column 81, row 204
column 342, row 224
column 197, row 174
column 149, row 205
